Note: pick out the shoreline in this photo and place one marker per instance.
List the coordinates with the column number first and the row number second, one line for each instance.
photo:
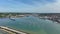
column 11, row 31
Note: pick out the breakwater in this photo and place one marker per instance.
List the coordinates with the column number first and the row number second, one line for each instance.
column 11, row 31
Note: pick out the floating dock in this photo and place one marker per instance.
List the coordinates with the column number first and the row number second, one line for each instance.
column 11, row 31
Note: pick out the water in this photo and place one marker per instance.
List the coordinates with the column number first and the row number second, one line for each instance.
column 32, row 25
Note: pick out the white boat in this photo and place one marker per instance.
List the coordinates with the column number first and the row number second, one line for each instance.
column 12, row 18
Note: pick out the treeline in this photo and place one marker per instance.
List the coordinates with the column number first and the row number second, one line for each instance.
column 11, row 14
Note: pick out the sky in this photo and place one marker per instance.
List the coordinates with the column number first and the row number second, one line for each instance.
column 30, row 6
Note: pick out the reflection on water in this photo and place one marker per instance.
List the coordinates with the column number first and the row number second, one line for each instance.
column 32, row 25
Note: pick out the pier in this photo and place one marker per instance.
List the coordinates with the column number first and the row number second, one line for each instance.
column 11, row 31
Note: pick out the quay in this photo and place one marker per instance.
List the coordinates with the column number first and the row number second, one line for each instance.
column 11, row 31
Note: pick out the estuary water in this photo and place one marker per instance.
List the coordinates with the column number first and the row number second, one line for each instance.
column 32, row 25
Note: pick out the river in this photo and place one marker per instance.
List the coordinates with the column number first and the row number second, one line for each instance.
column 32, row 25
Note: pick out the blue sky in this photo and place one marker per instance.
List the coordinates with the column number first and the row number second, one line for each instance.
column 30, row 6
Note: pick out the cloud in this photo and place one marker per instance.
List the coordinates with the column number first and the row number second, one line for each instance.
column 49, row 8
column 31, row 6
column 31, row 2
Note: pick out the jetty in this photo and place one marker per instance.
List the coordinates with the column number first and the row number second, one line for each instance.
column 11, row 31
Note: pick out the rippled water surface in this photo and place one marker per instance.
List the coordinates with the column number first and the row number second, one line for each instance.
column 32, row 25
